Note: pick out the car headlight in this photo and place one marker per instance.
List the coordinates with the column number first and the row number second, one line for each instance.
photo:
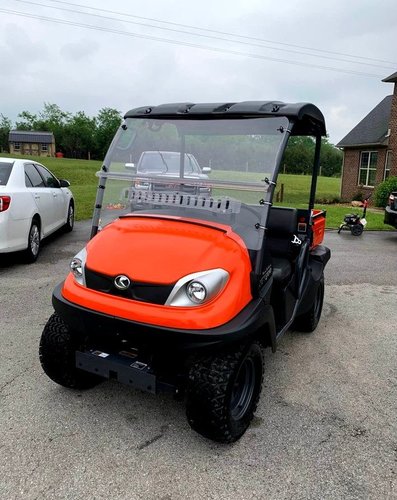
column 77, row 266
column 197, row 288
column 196, row 292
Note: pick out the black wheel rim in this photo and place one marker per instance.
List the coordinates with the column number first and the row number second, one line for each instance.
column 243, row 389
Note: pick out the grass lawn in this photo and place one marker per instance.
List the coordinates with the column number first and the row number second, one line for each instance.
column 81, row 175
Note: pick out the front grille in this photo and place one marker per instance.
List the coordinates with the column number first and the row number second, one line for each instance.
column 143, row 292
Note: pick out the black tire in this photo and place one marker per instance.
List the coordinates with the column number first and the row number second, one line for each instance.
column 34, row 242
column 223, row 392
column 357, row 229
column 58, row 345
column 68, row 227
column 308, row 322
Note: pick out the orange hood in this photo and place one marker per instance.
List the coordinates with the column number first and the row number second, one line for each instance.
column 162, row 250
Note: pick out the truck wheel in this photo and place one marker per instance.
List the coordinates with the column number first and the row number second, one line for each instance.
column 308, row 322
column 223, row 392
column 58, row 345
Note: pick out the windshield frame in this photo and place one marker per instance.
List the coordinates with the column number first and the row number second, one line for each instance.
column 266, row 187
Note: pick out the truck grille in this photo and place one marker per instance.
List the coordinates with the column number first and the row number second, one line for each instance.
column 143, row 292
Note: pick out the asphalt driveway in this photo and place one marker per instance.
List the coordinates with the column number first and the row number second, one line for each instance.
column 326, row 426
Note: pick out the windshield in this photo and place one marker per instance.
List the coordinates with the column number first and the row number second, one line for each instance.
column 213, row 170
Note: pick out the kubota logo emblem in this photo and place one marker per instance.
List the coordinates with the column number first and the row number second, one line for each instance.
column 122, row 282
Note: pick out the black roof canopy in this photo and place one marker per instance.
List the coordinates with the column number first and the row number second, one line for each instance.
column 308, row 118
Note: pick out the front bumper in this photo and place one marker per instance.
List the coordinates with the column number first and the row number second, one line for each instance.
column 390, row 217
column 92, row 323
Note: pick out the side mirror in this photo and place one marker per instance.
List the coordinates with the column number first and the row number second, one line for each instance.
column 206, row 170
column 64, row 183
column 130, row 166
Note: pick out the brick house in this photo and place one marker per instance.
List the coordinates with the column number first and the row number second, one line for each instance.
column 28, row 143
column 370, row 148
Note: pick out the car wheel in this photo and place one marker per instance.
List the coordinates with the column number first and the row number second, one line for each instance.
column 58, row 346
column 34, row 241
column 357, row 229
column 70, row 219
column 308, row 322
column 223, row 392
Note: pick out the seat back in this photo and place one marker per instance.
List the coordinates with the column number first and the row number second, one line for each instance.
column 281, row 227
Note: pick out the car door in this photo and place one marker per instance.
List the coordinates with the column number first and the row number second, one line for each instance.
column 59, row 198
column 42, row 196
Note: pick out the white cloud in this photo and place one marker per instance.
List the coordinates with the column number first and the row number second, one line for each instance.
column 82, row 69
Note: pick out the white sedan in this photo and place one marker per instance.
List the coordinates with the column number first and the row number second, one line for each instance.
column 33, row 204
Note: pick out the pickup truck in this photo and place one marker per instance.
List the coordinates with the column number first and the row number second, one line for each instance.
column 166, row 164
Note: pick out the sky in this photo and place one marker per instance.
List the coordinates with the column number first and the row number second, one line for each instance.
column 188, row 51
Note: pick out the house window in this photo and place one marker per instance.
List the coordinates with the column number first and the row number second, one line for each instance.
column 44, row 147
column 387, row 165
column 17, row 146
column 368, row 163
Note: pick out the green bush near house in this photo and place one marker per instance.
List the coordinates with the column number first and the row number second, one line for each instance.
column 383, row 190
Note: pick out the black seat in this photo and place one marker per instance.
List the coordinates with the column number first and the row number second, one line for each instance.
column 281, row 227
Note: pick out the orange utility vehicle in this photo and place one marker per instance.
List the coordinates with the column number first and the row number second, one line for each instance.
column 182, row 286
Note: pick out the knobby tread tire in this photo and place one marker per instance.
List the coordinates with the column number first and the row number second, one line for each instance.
column 209, row 391
column 308, row 322
column 57, row 356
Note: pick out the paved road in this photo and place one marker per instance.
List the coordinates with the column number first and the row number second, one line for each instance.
column 326, row 425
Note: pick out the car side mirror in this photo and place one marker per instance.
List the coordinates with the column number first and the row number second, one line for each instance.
column 206, row 170
column 64, row 183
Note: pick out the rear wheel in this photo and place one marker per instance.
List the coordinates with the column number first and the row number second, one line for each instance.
column 58, row 346
column 223, row 392
column 32, row 252
column 308, row 322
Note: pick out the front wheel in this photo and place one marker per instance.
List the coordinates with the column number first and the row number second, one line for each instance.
column 68, row 227
column 223, row 392
column 58, row 346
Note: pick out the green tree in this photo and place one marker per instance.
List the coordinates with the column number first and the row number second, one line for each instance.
column 5, row 127
column 108, row 120
column 79, row 136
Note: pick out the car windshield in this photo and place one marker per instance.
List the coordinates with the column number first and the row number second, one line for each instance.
column 5, row 171
column 208, row 169
column 163, row 162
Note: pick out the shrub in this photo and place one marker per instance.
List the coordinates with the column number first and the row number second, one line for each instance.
column 328, row 201
column 383, row 190
column 358, row 196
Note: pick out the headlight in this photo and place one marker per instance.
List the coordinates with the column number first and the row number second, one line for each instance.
column 196, row 292
column 77, row 266
column 197, row 288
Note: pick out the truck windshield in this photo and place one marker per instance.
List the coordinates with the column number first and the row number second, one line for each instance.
column 208, row 169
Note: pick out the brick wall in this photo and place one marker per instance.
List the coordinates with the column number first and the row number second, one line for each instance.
column 351, row 167
column 351, row 160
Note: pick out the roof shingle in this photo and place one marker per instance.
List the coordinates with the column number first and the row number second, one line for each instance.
column 30, row 136
column 372, row 130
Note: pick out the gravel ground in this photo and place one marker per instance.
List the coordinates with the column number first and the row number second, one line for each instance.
column 326, row 425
